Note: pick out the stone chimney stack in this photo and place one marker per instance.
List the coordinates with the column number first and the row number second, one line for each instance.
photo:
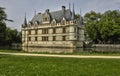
column 47, row 10
column 63, row 8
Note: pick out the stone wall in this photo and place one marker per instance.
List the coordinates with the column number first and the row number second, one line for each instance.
column 69, row 35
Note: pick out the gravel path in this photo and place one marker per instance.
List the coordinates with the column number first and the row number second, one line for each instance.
column 65, row 56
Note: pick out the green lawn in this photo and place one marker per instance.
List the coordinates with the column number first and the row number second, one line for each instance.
column 75, row 53
column 12, row 51
column 48, row 66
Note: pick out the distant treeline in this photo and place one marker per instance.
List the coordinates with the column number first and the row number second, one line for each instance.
column 7, row 35
column 102, row 27
column 99, row 28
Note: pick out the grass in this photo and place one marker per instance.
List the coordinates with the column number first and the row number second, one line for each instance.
column 12, row 51
column 48, row 66
column 75, row 53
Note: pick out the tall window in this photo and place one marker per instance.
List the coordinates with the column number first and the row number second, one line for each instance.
column 44, row 31
column 29, row 32
column 64, row 38
column 45, row 19
column 75, row 29
column 29, row 38
column 54, row 38
column 35, row 31
column 78, row 38
column 36, row 39
column 54, row 31
column 45, row 38
column 78, row 30
column 64, row 30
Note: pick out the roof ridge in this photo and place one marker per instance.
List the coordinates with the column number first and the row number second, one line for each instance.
column 58, row 15
column 57, row 11
column 51, row 12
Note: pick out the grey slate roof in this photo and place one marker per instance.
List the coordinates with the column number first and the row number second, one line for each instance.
column 37, row 17
column 57, row 15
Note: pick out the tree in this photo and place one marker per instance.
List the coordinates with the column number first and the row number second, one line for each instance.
column 110, row 26
column 3, row 17
column 7, row 35
column 103, row 28
column 91, row 21
column 13, row 36
column 77, row 16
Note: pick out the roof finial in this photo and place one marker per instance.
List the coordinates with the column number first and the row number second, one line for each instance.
column 80, row 14
column 81, row 20
column 35, row 13
column 73, row 13
column 73, row 9
column 69, row 6
column 25, row 21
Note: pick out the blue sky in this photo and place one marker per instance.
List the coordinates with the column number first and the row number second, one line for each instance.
column 16, row 9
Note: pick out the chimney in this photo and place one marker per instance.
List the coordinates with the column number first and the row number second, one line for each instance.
column 63, row 8
column 47, row 10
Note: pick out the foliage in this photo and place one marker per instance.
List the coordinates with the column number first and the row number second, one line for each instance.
column 77, row 16
column 103, row 28
column 3, row 15
column 2, row 25
column 12, row 36
column 7, row 35
column 2, row 33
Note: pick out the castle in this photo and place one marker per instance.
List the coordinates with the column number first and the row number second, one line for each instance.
column 59, row 29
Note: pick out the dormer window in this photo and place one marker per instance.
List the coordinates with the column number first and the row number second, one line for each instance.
column 53, row 22
column 63, row 22
column 29, row 24
column 45, row 19
column 36, row 23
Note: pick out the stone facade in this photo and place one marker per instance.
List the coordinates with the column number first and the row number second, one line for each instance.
column 53, row 29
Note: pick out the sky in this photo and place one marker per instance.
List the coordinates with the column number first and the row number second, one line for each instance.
column 16, row 9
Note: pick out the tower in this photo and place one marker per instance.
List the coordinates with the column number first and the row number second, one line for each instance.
column 73, row 13
column 25, row 21
column 24, row 32
column 73, row 29
column 81, row 20
column 69, row 6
